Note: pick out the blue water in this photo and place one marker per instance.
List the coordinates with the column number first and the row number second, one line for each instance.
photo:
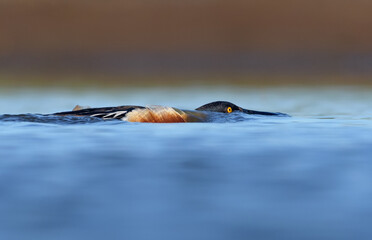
column 303, row 177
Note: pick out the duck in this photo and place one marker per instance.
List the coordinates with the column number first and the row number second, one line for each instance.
column 162, row 114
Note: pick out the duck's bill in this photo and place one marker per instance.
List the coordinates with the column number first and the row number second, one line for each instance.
column 253, row 112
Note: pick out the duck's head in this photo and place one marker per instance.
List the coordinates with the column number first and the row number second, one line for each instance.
column 228, row 107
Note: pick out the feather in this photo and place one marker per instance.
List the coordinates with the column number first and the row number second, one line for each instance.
column 155, row 114
column 78, row 107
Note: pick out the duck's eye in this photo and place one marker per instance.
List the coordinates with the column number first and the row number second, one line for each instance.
column 229, row 110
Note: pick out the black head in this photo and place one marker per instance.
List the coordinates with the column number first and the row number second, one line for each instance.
column 220, row 106
column 228, row 107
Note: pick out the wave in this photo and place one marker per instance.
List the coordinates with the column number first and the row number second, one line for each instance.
column 53, row 119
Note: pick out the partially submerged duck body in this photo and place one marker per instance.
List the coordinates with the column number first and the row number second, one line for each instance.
column 161, row 114
column 152, row 114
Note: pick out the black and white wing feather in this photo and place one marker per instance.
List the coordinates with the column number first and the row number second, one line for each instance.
column 104, row 113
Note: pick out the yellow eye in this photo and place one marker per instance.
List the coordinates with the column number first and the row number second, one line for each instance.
column 229, row 110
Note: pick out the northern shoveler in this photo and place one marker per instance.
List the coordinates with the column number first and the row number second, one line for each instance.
column 161, row 114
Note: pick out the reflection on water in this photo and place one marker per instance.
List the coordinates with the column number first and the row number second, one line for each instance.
column 304, row 177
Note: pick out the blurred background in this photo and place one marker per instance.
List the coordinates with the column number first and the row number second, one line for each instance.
column 252, row 177
column 148, row 42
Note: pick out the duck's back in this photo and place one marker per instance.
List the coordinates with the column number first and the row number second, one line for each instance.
column 151, row 114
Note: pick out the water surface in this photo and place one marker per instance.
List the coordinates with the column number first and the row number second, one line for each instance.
column 303, row 177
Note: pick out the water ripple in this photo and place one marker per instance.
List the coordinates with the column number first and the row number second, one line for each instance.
column 39, row 118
